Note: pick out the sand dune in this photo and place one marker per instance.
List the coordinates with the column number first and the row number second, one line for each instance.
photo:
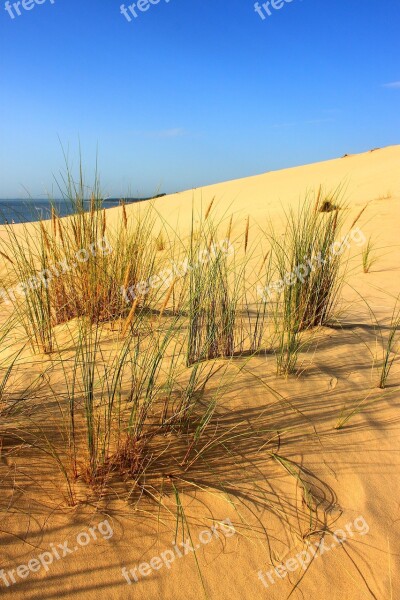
column 311, row 477
column 365, row 177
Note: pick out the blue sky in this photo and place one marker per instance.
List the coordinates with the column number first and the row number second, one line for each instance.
column 192, row 92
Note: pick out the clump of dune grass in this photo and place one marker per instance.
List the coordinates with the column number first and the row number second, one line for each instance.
column 308, row 261
column 122, row 257
column 368, row 256
column 288, row 345
column 113, row 419
column 78, row 266
column 257, row 310
column 389, row 352
column 309, row 275
column 8, row 362
column 212, row 309
column 251, row 278
column 227, row 316
column 123, row 396
column 387, row 344
column 136, row 422
column 27, row 289
column 216, row 294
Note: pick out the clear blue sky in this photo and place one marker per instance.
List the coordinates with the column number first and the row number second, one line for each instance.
column 193, row 91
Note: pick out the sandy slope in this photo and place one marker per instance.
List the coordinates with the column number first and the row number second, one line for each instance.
column 364, row 177
column 352, row 472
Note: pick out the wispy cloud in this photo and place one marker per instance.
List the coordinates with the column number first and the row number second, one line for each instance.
column 394, row 85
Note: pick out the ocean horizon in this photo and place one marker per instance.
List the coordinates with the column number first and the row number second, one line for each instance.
column 19, row 210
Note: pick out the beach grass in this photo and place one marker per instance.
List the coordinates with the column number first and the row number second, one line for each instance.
column 144, row 334
column 369, row 257
column 389, row 345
